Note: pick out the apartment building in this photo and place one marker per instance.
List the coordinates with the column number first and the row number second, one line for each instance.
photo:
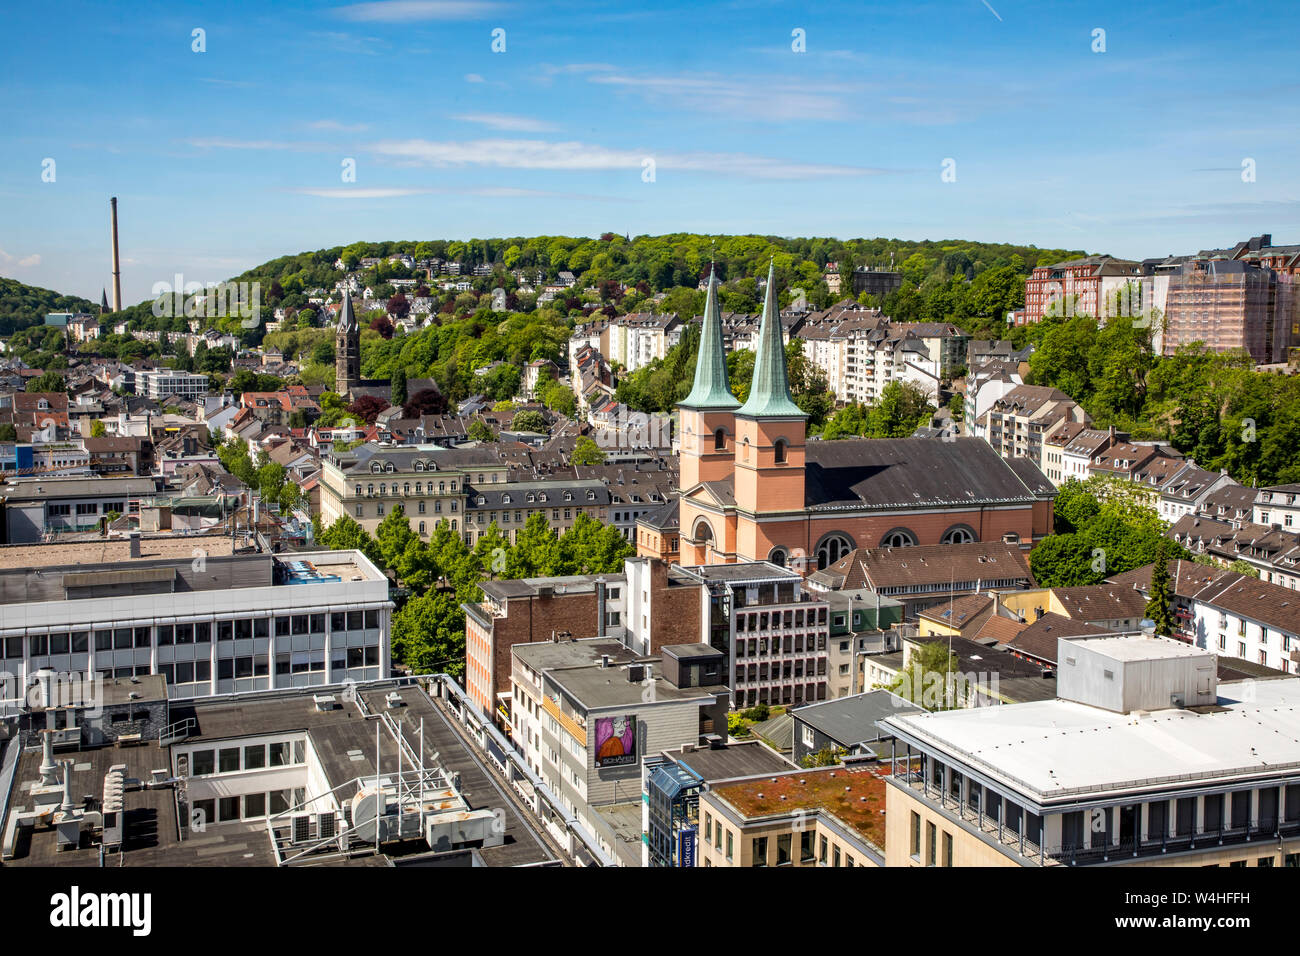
column 1086, row 286
column 163, row 383
column 774, row 634
column 1239, row 298
column 586, row 712
column 1070, row 447
column 923, row 576
column 1017, row 424
column 527, row 611
column 187, row 607
column 1138, row 762
column 638, row 338
column 1278, row 506
column 1231, row 614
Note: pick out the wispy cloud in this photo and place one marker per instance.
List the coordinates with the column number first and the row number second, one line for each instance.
column 220, row 81
column 272, row 145
column 539, row 154
column 407, row 11
column 770, row 98
column 490, row 192
column 473, row 78
column 506, row 122
column 344, row 192
column 349, row 43
column 336, row 127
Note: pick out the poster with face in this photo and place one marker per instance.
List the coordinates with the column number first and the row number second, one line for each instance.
column 615, row 741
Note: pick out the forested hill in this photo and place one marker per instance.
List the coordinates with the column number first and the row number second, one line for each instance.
column 22, row 306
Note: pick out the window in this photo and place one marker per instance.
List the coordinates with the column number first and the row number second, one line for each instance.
column 760, row 851
column 729, row 846
column 228, row 759
column 279, row 754
column 254, row 756
column 254, row 805
column 916, row 835
column 201, row 762
column 779, row 451
column 720, row 440
column 947, row 848
column 931, row 844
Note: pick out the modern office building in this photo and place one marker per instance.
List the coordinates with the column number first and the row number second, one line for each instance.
column 1143, row 760
column 209, row 620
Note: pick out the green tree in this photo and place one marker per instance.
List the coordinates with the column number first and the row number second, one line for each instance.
column 529, row 421
column 1159, row 608
column 478, row 430
column 586, row 452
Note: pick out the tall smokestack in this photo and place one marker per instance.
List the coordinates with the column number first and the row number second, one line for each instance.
column 117, row 262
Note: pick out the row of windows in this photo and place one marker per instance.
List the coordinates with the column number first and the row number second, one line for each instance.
column 234, row 759
column 250, row 806
column 790, row 644
column 406, row 490
column 791, row 617
column 125, row 638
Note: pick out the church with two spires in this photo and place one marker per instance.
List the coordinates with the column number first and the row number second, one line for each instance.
column 754, row 487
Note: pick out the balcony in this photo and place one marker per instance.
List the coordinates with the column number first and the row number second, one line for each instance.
column 1264, row 833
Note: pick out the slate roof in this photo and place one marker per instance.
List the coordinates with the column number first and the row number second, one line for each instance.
column 889, row 473
column 852, row 720
column 1038, row 640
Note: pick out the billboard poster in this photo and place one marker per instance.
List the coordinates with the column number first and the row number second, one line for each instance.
column 686, row 847
column 615, row 741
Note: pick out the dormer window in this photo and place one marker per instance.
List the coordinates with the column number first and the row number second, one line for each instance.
column 568, row 496
column 505, row 499
column 591, row 496
column 419, row 466
column 480, row 500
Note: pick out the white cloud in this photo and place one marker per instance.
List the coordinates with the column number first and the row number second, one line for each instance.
column 539, row 154
column 405, row 11
column 503, row 121
column 23, row 263
column 473, row 78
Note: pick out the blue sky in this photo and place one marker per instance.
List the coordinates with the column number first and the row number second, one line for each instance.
column 226, row 158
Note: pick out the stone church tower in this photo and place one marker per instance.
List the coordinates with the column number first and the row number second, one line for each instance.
column 347, row 350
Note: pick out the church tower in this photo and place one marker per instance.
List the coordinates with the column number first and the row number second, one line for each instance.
column 770, row 429
column 347, row 349
column 708, row 413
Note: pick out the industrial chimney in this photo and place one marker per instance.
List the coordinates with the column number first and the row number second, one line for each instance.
column 117, row 262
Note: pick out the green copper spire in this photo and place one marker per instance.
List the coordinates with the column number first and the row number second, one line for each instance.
column 769, row 392
column 712, row 391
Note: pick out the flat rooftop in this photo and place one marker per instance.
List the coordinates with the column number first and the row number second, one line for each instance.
column 747, row 758
column 739, row 573
column 1133, row 648
column 112, row 550
column 344, row 742
column 854, row 797
column 1060, row 750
